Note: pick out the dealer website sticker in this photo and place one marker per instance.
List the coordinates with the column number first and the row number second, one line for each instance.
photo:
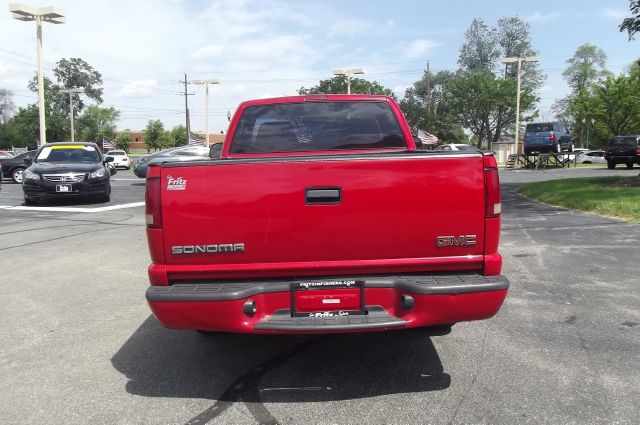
column 176, row 184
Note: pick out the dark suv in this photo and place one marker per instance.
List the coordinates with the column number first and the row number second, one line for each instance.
column 623, row 150
column 547, row 137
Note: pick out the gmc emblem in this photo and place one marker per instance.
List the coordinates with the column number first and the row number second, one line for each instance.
column 463, row 240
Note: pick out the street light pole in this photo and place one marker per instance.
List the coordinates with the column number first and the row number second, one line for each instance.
column 519, row 60
column 71, row 93
column 51, row 14
column 349, row 73
column 206, row 102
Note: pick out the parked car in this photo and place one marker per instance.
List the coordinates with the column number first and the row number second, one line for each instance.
column 182, row 153
column 623, row 150
column 14, row 167
column 67, row 170
column 120, row 159
column 547, row 137
column 456, row 147
column 590, row 157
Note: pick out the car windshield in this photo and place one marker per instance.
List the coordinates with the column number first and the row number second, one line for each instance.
column 629, row 142
column 68, row 153
column 539, row 128
column 298, row 127
column 116, row 153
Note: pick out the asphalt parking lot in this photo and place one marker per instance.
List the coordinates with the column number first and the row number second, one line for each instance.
column 79, row 345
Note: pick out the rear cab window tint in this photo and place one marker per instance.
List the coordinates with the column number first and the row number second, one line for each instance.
column 315, row 126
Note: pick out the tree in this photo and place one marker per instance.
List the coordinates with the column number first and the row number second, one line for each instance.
column 76, row 73
column 616, row 104
column 22, row 129
column 179, row 135
column 97, row 123
column 478, row 58
column 515, row 41
column 586, row 67
column 338, row 84
column 485, row 104
column 123, row 141
column 480, row 51
column 632, row 25
column 425, row 107
column 586, row 70
column 7, row 107
column 154, row 135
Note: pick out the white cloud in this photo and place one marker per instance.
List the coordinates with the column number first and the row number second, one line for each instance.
column 138, row 87
column 547, row 88
column 543, row 18
column 210, row 51
column 614, row 13
column 419, row 46
column 390, row 23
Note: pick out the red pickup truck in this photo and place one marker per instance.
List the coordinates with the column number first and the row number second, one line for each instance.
column 320, row 215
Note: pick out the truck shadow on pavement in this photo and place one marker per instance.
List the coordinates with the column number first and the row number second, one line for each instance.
column 257, row 369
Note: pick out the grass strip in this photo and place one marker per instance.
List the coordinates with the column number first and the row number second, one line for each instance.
column 612, row 196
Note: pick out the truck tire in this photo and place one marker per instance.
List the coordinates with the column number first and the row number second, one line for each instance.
column 629, row 164
column 611, row 165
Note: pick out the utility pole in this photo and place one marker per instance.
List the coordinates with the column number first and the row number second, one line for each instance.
column 519, row 60
column 428, row 88
column 206, row 102
column 186, row 106
column 71, row 93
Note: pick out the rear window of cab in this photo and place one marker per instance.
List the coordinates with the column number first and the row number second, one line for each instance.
column 313, row 126
column 539, row 128
column 630, row 142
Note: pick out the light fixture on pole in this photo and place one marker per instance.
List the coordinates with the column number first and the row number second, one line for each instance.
column 206, row 102
column 71, row 93
column 51, row 14
column 519, row 60
column 349, row 73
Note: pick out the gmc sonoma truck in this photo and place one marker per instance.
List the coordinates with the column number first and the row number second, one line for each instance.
column 320, row 215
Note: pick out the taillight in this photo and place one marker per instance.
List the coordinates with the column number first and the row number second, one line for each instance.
column 638, row 150
column 493, row 206
column 552, row 137
column 152, row 207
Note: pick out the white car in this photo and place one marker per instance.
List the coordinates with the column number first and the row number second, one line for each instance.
column 120, row 159
column 591, row 157
column 456, row 147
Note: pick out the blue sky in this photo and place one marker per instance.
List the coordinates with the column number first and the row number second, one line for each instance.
column 270, row 48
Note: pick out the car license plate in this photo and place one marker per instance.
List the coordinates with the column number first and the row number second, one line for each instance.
column 327, row 298
column 63, row 188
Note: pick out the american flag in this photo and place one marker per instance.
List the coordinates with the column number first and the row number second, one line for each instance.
column 427, row 138
column 195, row 142
column 107, row 144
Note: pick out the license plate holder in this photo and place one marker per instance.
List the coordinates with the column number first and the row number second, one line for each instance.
column 337, row 291
column 63, row 188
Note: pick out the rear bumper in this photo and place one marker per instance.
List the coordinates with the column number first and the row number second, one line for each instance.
column 392, row 302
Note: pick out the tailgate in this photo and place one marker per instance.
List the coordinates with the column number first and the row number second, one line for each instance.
column 324, row 215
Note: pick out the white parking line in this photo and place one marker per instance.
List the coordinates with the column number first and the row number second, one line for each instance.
column 73, row 209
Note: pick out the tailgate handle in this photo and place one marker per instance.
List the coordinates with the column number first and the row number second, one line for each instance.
column 322, row 195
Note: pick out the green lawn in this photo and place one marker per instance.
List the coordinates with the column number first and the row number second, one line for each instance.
column 593, row 194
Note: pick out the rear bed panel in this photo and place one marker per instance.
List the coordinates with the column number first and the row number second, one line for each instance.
column 392, row 207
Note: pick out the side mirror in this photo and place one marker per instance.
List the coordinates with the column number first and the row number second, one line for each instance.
column 108, row 159
column 28, row 160
column 215, row 151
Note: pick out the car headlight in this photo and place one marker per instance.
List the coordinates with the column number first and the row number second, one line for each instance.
column 97, row 174
column 30, row 175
